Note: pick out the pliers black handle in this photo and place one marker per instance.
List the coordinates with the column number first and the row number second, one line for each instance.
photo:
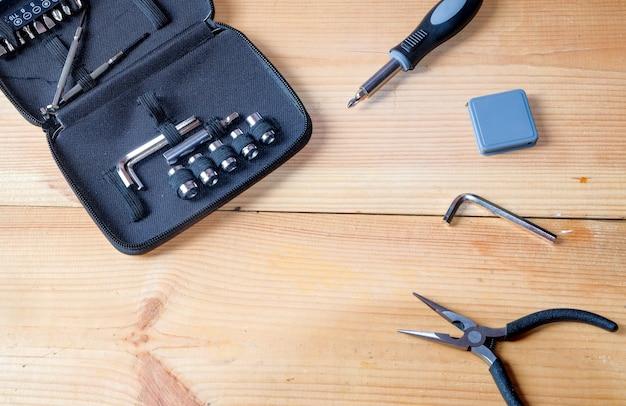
column 534, row 320
column 482, row 340
column 530, row 322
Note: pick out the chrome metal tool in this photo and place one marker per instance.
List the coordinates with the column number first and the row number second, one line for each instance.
column 520, row 221
column 481, row 340
column 199, row 135
column 125, row 166
column 443, row 22
column 69, row 61
column 29, row 19
column 101, row 70
column 213, row 131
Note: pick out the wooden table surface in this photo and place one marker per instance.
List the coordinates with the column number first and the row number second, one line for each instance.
column 293, row 292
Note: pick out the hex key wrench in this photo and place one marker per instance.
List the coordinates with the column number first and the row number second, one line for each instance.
column 125, row 166
column 498, row 211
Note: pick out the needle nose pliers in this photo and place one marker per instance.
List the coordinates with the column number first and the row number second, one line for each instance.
column 481, row 340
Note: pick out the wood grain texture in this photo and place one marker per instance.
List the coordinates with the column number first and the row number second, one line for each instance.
column 304, row 309
column 294, row 298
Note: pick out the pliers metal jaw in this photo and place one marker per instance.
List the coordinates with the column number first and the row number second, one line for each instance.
column 482, row 340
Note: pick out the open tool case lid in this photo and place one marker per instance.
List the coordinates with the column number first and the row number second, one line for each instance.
column 189, row 66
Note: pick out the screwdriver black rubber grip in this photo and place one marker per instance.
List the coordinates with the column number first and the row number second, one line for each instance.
column 540, row 318
column 504, row 384
column 441, row 23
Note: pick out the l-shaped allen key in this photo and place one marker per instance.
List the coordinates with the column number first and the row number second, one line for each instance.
column 498, row 211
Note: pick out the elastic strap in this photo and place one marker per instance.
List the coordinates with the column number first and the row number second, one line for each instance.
column 241, row 142
column 215, row 128
column 6, row 31
column 221, row 154
column 170, row 132
column 54, row 45
column 265, row 125
column 56, row 48
column 151, row 103
column 166, row 127
column 200, row 164
column 154, row 13
column 85, row 81
column 181, row 177
column 135, row 207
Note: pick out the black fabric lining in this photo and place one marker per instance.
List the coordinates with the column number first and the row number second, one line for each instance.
column 195, row 71
column 154, row 13
column 198, row 75
column 59, row 51
column 151, row 65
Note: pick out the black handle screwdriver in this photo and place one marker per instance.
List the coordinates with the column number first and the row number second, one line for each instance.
column 443, row 22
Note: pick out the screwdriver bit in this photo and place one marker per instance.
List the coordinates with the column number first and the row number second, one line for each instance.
column 49, row 22
column 39, row 27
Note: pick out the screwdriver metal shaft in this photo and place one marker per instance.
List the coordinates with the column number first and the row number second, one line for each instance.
column 443, row 22
column 69, row 61
column 375, row 82
column 101, row 70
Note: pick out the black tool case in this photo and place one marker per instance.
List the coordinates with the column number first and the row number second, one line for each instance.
column 189, row 66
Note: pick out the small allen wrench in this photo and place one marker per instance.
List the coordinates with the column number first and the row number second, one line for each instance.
column 125, row 166
column 498, row 211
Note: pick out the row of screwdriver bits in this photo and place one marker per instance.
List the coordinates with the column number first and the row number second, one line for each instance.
column 32, row 19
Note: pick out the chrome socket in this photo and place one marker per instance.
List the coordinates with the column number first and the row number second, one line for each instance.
column 221, row 155
column 244, row 145
column 203, row 169
column 181, row 179
column 267, row 134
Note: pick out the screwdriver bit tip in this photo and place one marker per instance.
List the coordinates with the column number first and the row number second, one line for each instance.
column 362, row 93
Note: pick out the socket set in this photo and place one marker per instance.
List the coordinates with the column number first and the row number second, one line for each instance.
column 25, row 22
column 203, row 168
column 189, row 165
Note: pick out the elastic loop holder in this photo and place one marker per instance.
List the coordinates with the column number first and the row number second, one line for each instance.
column 135, row 207
column 171, row 134
column 150, row 102
column 154, row 13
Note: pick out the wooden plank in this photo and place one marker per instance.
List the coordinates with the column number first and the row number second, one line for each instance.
column 302, row 308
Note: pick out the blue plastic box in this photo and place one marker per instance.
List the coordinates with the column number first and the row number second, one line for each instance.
column 502, row 122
